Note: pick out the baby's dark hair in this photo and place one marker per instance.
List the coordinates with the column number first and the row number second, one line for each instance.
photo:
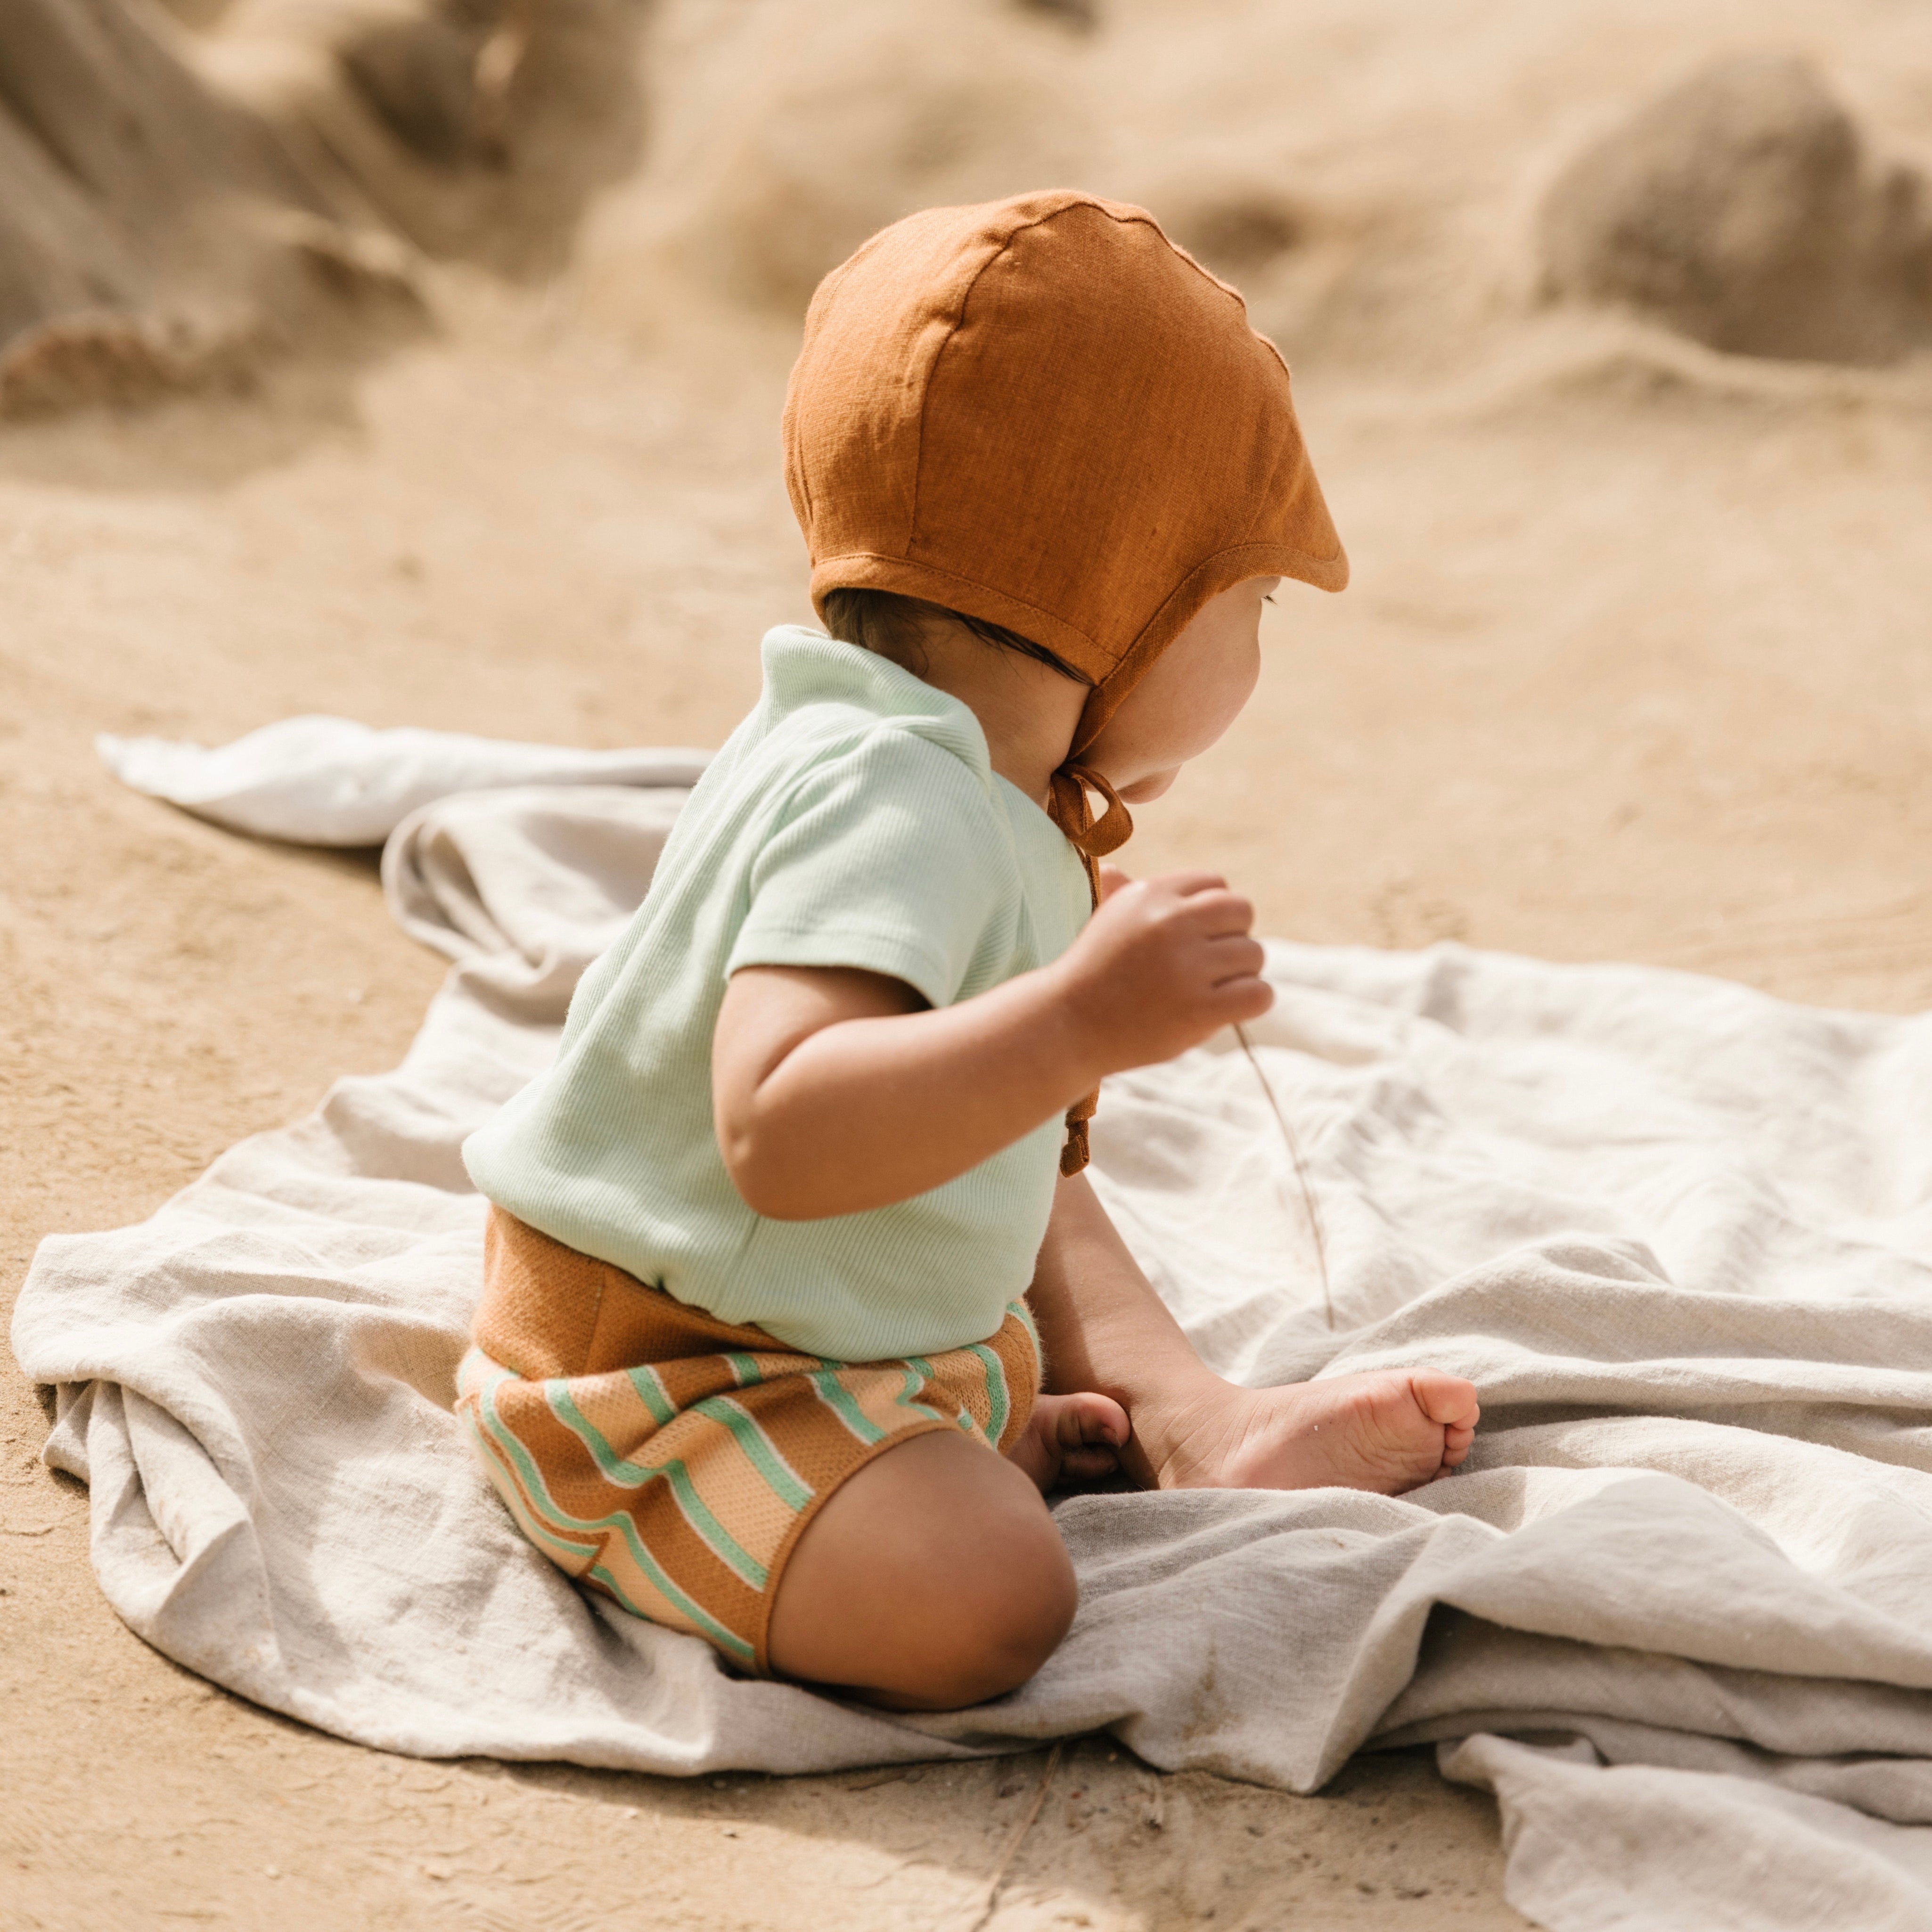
column 890, row 625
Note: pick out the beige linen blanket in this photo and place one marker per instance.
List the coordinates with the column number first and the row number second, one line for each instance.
column 1677, row 1612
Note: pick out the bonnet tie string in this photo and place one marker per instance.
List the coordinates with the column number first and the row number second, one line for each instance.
column 1070, row 809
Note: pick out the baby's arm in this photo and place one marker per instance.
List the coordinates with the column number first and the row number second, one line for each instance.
column 834, row 1090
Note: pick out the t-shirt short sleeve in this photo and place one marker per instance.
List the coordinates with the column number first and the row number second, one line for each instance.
column 889, row 856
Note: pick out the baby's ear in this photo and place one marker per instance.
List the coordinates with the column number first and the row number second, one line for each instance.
column 1111, row 880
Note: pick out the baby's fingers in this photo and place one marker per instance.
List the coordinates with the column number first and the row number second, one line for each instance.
column 1235, row 958
column 1245, row 998
column 1219, row 913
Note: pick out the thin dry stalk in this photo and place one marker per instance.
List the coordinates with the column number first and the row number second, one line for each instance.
column 1014, row 1842
column 1293, row 1147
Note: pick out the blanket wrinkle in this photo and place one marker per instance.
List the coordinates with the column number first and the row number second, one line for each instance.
column 1708, row 1847
column 1471, row 1673
column 1679, row 1232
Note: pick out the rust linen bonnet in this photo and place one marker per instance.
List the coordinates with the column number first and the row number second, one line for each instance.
column 1040, row 413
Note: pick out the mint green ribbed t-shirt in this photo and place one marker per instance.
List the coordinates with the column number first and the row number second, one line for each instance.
column 853, row 820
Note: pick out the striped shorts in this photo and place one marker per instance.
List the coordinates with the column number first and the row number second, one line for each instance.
column 671, row 1460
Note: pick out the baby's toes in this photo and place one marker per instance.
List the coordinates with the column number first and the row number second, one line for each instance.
column 1090, row 1418
column 1448, row 1400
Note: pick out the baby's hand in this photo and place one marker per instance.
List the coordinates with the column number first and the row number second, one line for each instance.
column 1163, row 963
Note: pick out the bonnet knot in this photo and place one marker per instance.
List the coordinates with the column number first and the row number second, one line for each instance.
column 1073, row 1153
column 1070, row 809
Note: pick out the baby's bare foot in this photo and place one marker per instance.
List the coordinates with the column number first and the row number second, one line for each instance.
column 1389, row 1430
column 1071, row 1439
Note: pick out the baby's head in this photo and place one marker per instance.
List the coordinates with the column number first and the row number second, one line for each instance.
column 1040, row 416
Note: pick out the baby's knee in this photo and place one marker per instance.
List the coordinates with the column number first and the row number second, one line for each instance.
column 934, row 1578
column 1007, row 1617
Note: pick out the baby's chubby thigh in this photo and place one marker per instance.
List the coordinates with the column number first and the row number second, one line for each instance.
column 932, row 1578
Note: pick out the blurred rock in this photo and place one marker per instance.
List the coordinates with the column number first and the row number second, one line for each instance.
column 154, row 236
column 1743, row 208
column 417, row 71
column 479, row 129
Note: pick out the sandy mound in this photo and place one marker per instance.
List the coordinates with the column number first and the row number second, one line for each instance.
column 1745, row 208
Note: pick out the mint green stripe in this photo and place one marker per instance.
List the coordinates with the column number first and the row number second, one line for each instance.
column 999, row 1403
column 786, row 1484
column 532, row 1526
column 651, row 1394
column 505, row 1438
column 921, row 1375
column 618, row 1469
column 724, row 1544
column 838, row 1398
column 725, row 1639
column 507, row 1442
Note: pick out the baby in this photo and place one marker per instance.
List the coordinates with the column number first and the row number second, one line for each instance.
column 782, row 1246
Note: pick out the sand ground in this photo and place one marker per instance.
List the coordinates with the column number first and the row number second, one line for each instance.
column 1636, row 665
